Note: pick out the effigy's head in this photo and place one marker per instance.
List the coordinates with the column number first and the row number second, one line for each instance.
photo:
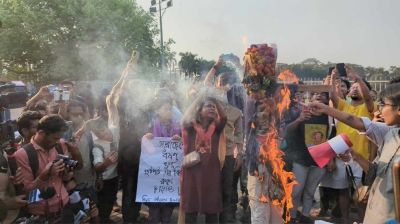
column 259, row 69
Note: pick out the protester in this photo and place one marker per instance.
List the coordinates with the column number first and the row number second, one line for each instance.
column 27, row 125
column 299, row 137
column 380, row 207
column 163, row 124
column 50, row 173
column 361, row 104
column 76, row 115
column 234, row 138
column 373, row 94
column 129, row 123
column 202, row 132
column 87, row 95
column 328, row 195
column 105, row 159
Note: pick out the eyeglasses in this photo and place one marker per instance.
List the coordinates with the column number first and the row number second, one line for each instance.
column 383, row 104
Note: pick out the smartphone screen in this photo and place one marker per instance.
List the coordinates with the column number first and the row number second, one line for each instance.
column 341, row 69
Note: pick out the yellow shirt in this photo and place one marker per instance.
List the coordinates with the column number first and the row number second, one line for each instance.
column 360, row 142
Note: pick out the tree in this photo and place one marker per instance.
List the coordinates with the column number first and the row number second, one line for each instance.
column 50, row 40
column 188, row 64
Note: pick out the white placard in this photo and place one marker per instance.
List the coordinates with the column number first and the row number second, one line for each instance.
column 159, row 169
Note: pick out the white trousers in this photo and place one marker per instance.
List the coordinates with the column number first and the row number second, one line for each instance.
column 261, row 213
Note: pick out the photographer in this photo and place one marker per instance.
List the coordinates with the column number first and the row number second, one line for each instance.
column 50, row 173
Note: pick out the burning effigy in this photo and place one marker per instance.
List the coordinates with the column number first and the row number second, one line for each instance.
column 271, row 96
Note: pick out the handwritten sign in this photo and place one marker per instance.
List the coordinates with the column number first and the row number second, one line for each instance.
column 159, row 169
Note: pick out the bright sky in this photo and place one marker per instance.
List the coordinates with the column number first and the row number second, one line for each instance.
column 365, row 32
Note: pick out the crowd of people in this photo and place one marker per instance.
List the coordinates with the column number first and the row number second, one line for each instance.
column 76, row 153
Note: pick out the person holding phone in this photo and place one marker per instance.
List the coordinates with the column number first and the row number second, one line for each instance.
column 361, row 104
column 380, row 207
column 105, row 161
column 303, row 131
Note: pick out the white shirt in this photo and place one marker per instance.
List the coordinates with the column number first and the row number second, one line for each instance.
column 100, row 150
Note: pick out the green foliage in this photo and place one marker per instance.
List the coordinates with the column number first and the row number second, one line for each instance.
column 192, row 65
column 75, row 39
column 312, row 68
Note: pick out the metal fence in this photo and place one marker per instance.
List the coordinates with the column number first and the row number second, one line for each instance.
column 377, row 85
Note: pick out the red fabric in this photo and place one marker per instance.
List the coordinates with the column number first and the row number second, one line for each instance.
column 203, row 137
column 201, row 184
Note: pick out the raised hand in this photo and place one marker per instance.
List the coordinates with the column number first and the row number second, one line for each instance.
column 352, row 74
column 317, row 108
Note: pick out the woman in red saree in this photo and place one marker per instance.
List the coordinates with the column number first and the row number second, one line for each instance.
column 202, row 131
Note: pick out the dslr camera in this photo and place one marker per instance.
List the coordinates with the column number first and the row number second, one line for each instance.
column 68, row 162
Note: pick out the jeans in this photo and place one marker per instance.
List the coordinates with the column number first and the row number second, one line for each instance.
column 308, row 179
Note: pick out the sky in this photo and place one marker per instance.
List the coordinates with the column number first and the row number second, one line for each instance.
column 364, row 32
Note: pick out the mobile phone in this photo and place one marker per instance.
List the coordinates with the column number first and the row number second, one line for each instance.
column 34, row 196
column 51, row 88
column 65, row 95
column 341, row 69
column 68, row 134
column 57, row 94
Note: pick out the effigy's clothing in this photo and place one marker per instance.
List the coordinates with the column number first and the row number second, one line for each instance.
column 261, row 213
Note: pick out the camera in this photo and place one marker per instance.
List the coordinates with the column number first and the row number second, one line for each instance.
column 66, row 160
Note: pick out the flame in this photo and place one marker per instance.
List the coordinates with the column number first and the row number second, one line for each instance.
column 284, row 100
column 272, row 156
column 288, row 77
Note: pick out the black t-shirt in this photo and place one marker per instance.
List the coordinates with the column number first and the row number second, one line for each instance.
column 311, row 132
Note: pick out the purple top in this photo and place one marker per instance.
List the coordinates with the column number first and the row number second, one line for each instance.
column 162, row 130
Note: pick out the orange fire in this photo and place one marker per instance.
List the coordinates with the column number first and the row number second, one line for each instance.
column 288, row 77
column 285, row 77
column 271, row 155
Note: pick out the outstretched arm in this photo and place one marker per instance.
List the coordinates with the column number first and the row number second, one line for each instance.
column 352, row 121
column 113, row 98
